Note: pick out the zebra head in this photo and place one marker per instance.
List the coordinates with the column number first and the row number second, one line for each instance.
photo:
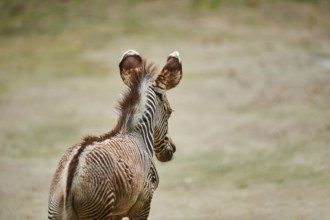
column 132, row 65
column 168, row 78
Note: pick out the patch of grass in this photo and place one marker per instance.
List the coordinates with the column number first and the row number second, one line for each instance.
column 39, row 60
column 51, row 17
column 309, row 1
column 245, row 171
column 3, row 90
column 210, row 4
column 242, row 185
column 39, row 141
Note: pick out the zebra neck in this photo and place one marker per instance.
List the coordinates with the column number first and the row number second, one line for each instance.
column 145, row 126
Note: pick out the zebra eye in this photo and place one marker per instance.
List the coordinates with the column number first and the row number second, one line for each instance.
column 160, row 96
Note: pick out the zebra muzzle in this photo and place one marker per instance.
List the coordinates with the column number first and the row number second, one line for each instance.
column 167, row 153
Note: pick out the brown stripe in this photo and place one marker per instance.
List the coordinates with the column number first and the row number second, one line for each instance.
column 72, row 169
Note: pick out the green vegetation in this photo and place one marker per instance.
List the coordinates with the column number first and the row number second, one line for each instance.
column 252, row 112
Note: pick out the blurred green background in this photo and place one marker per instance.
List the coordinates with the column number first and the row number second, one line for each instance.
column 251, row 121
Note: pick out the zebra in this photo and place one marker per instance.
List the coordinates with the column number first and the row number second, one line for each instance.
column 113, row 176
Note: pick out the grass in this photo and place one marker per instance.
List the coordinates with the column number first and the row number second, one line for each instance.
column 251, row 121
column 212, row 184
column 241, row 171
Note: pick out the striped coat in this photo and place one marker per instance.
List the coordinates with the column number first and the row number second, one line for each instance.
column 114, row 175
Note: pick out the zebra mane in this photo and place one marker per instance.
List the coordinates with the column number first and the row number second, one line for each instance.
column 130, row 106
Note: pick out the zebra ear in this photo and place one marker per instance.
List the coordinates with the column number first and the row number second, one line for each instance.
column 171, row 73
column 130, row 63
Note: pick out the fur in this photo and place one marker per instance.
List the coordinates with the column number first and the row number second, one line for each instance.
column 129, row 109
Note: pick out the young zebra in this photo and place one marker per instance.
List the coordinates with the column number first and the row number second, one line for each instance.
column 114, row 175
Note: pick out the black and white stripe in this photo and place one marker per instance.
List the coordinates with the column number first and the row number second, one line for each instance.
column 114, row 175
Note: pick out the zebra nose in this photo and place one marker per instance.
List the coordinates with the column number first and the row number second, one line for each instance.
column 169, row 153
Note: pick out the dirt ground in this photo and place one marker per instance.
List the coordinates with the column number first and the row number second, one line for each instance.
column 251, row 120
